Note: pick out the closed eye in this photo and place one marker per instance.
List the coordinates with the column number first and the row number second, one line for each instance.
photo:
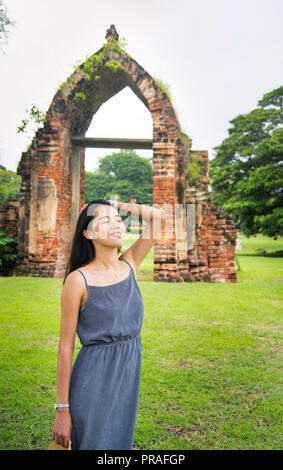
column 107, row 221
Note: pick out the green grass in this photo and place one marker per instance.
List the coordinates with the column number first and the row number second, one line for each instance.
column 212, row 355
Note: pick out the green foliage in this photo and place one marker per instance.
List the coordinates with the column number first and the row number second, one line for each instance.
column 123, row 173
column 35, row 116
column 91, row 66
column 164, row 88
column 194, row 171
column 5, row 23
column 7, row 251
column 247, row 172
column 10, row 184
column 79, row 96
column 187, row 141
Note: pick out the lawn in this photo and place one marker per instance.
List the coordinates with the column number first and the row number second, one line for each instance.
column 212, row 355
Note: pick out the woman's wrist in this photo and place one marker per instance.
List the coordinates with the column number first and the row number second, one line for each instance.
column 142, row 211
column 62, row 411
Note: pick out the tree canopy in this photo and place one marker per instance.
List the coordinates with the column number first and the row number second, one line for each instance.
column 247, row 171
column 10, row 184
column 124, row 173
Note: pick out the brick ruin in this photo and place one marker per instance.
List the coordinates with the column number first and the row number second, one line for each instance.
column 53, row 187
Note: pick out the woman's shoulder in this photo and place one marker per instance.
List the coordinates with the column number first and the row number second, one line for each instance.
column 74, row 278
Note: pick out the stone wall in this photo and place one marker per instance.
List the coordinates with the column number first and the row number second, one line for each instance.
column 210, row 250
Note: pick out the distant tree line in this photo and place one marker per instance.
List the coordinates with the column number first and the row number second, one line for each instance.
column 123, row 174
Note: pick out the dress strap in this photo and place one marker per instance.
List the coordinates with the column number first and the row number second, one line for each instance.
column 127, row 262
column 83, row 277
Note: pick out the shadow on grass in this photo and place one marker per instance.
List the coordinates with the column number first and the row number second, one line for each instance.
column 274, row 254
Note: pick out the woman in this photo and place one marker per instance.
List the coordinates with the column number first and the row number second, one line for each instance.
column 97, row 398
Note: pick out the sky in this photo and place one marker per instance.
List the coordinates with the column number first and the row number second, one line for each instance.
column 217, row 58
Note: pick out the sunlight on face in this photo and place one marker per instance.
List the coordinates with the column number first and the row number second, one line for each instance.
column 107, row 225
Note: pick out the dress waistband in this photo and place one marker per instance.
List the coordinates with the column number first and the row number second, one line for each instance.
column 112, row 342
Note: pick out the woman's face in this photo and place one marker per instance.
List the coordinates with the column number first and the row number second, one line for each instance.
column 107, row 227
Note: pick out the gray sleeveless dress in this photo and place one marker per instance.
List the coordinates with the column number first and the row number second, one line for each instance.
column 105, row 378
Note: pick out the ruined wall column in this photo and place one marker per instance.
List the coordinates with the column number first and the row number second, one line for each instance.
column 45, row 199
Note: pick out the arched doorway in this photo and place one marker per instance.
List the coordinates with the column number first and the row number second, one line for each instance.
column 200, row 245
column 52, row 168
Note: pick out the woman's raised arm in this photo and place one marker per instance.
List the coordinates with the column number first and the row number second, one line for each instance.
column 155, row 219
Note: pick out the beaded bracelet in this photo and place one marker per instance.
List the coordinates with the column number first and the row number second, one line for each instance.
column 65, row 405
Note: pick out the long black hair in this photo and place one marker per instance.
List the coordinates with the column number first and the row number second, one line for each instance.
column 82, row 249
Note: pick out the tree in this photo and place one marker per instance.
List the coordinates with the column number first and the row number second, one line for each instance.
column 10, row 184
column 5, row 22
column 247, row 171
column 124, row 173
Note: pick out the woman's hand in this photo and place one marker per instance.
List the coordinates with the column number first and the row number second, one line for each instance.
column 62, row 427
